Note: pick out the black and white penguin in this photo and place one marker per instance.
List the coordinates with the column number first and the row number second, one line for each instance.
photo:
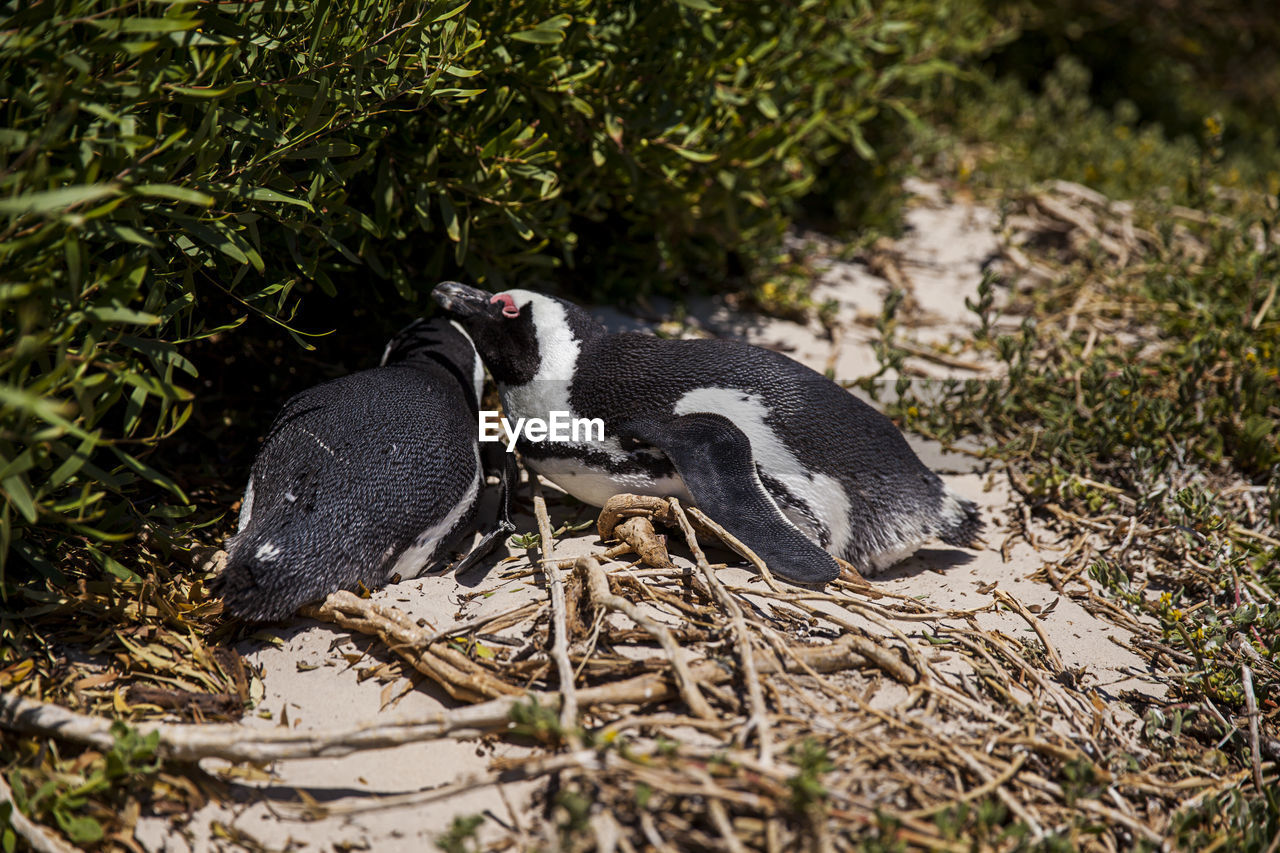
column 365, row 478
column 787, row 460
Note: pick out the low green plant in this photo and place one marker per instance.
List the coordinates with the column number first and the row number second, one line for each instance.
column 462, row 836
column 65, row 793
column 807, row 789
column 1248, row 822
column 1162, row 407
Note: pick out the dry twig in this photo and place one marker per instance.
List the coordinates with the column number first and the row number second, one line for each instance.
column 598, row 586
column 759, row 719
column 560, row 640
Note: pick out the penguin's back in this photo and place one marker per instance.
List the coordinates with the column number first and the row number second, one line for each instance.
column 360, row 478
column 840, row 470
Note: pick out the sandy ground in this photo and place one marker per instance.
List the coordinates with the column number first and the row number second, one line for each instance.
column 311, row 674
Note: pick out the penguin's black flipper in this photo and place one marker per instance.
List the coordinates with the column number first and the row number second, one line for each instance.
column 508, row 476
column 714, row 459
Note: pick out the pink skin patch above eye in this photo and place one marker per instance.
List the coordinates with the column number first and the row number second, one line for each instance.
column 509, row 308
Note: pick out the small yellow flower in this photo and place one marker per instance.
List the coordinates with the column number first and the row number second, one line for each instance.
column 913, row 411
column 1166, row 599
column 1176, row 614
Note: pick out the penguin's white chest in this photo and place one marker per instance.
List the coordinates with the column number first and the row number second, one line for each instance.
column 594, row 485
column 591, row 471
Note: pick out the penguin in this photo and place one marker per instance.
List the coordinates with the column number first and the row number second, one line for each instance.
column 790, row 463
column 365, row 478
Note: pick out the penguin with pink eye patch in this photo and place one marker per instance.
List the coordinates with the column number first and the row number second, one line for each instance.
column 508, row 303
column 789, row 462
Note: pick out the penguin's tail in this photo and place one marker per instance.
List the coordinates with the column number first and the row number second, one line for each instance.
column 961, row 524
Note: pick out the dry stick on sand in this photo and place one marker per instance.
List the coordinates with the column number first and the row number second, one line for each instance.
column 1005, row 598
column 882, row 656
column 624, row 506
column 1251, row 709
column 607, row 554
column 560, row 643
column 597, row 583
column 235, row 742
column 452, row 670
column 974, row 793
column 759, row 719
column 638, row 532
column 582, row 759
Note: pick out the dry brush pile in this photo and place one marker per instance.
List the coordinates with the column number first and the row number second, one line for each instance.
column 680, row 708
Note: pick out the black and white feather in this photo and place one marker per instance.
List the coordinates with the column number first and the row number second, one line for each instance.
column 782, row 456
column 362, row 478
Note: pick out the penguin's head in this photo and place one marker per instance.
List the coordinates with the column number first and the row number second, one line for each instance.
column 443, row 341
column 517, row 332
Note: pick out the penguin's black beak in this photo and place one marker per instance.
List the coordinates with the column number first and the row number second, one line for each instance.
column 462, row 301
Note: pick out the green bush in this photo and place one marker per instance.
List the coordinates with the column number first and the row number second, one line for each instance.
column 167, row 170
column 1011, row 137
column 1176, row 61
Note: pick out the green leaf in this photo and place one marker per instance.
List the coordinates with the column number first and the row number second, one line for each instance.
column 699, row 5
column 79, row 828
column 126, row 233
column 15, row 488
column 174, row 192
column 144, row 25
column 460, row 94
column 58, row 200
column 536, row 36
column 690, row 154
column 265, row 194
column 219, row 235
column 41, row 407
column 450, row 217
column 71, row 465
column 451, row 13
column 222, row 91
column 522, row 227
column 116, row 569
column 120, row 314
column 149, row 474
column 860, row 144
column 20, row 464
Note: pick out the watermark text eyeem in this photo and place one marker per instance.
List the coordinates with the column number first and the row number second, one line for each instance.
column 559, row 426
